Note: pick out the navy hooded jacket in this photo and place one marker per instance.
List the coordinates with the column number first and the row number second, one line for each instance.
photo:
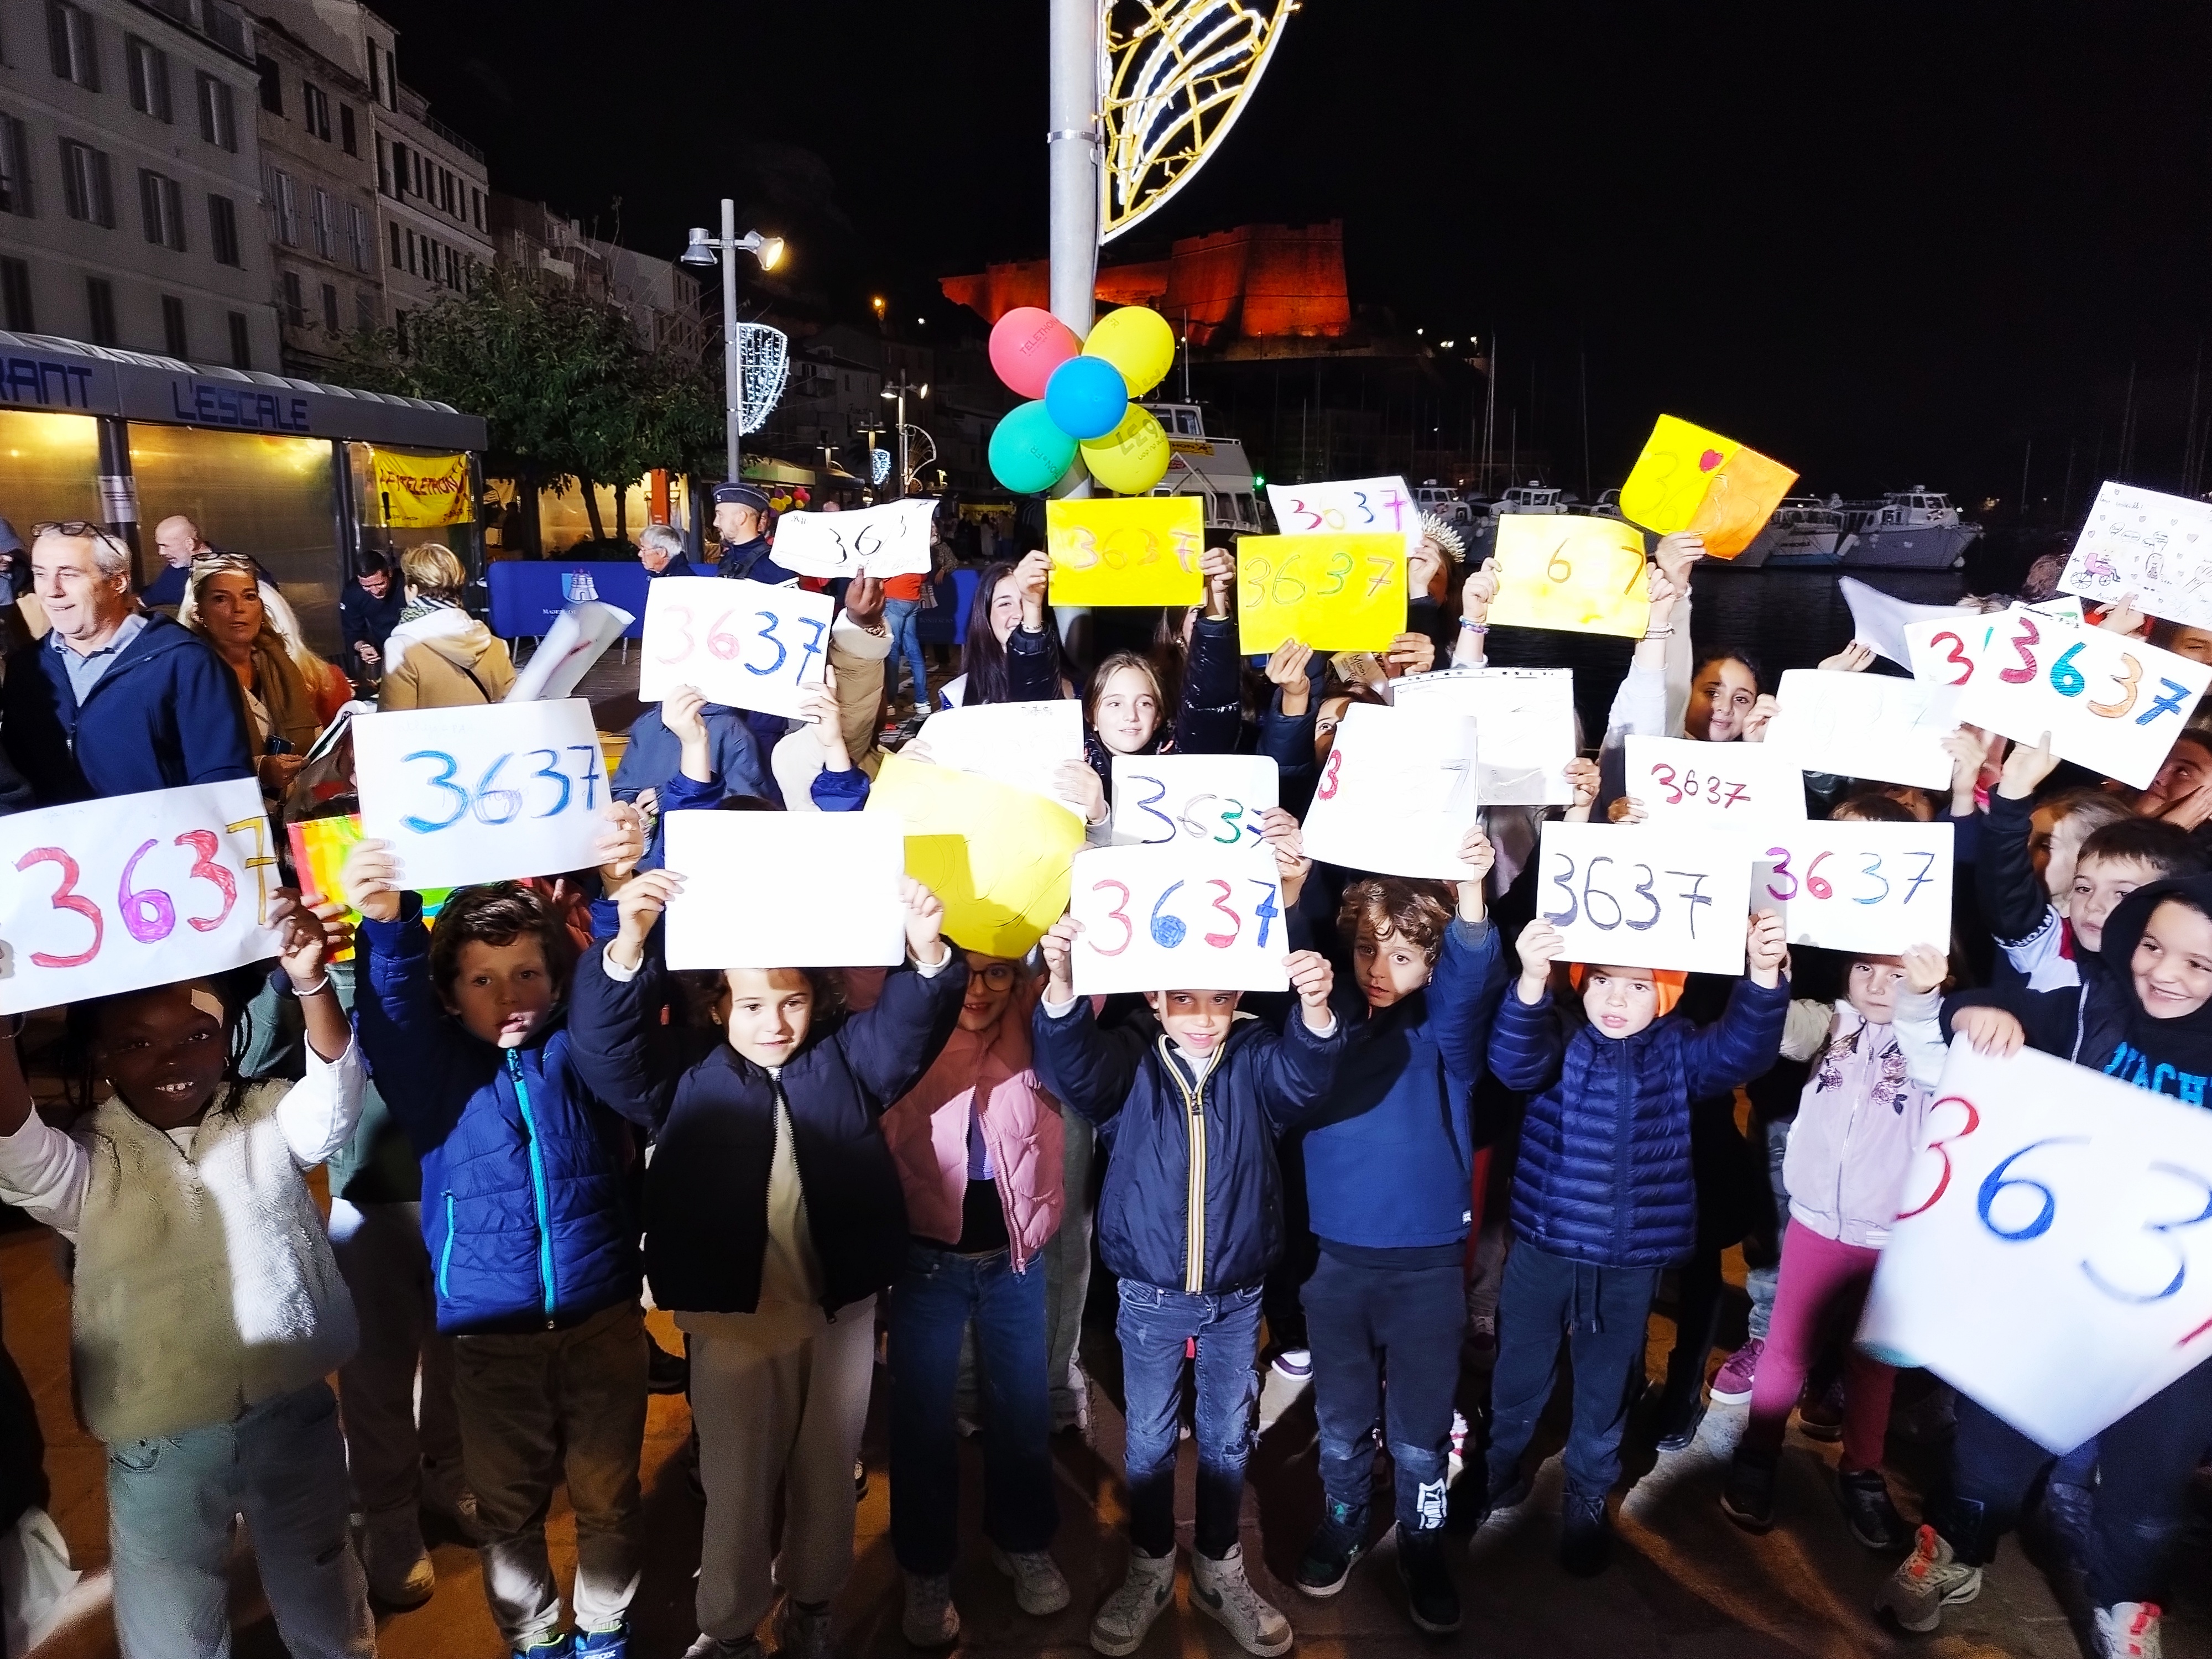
column 526, row 1208
column 1604, row 1172
column 707, row 1189
column 1149, row 1110
column 165, row 714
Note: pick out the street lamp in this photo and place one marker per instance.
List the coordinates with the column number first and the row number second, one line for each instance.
column 704, row 251
column 897, row 390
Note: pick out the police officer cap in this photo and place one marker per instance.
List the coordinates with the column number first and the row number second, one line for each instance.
column 743, row 495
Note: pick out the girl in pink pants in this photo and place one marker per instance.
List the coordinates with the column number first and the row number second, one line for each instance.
column 1857, row 1125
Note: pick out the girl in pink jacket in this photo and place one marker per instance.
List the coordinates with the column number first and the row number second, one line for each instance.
column 1875, row 1060
column 978, row 1144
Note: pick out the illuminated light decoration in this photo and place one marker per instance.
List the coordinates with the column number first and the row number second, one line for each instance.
column 765, row 357
column 879, row 466
column 1174, row 77
column 921, row 451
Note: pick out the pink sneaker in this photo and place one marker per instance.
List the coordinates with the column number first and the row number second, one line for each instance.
column 1732, row 1383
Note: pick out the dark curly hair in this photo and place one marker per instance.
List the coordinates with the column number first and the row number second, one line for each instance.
column 498, row 913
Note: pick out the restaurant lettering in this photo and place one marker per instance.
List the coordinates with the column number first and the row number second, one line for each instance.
column 233, row 406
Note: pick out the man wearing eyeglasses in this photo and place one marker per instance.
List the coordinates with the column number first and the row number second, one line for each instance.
column 115, row 700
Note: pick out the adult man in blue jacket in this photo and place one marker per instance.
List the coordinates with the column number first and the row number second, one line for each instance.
column 741, row 521
column 115, row 700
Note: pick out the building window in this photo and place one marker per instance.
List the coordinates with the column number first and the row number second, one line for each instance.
column 15, row 167
column 444, row 190
column 330, row 307
column 315, row 110
column 347, row 141
column 15, row 296
column 86, row 188
column 453, row 267
column 325, row 224
column 149, row 77
column 285, row 206
column 357, row 235
column 241, row 341
column 399, row 170
column 99, row 304
column 364, row 311
column 390, row 81
column 411, row 240
column 172, row 326
column 272, row 83
column 296, row 305
column 383, row 168
column 75, row 48
column 376, row 77
column 396, row 261
column 478, row 195
column 161, row 203
column 222, row 230
column 218, row 114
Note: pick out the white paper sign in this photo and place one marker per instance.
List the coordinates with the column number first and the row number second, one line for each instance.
column 1357, row 506
column 1021, row 743
column 786, row 889
column 1875, row 887
column 579, row 637
column 744, row 644
column 891, row 540
column 1646, row 895
column 1204, row 799
column 134, row 891
column 1941, row 655
column 2079, row 1209
column 1178, row 917
column 1878, row 620
column 1524, row 721
column 1396, row 794
column 481, row 793
column 2113, row 703
column 1859, row 726
column 2158, row 548
column 1739, row 783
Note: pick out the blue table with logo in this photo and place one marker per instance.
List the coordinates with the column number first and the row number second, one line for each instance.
column 527, row 594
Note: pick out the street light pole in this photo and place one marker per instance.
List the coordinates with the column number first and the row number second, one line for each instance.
column 1072, row 141
column 897, row 390
column 733, row 369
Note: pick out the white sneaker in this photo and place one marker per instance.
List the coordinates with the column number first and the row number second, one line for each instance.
column 2128, row 1629
column 446, row 1494
column 1221, row 1590
column 1039, row 1589
column 1120, row 1626
column 929, row 1619
column 803, row 1632
column 1930, row 1580
column 399, row 1568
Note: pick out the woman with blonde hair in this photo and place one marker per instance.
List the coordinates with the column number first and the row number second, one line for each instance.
column 439, row 656
column 286, row 691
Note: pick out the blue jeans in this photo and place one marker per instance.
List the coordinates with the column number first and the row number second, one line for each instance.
column 906, row 636
column 1154, row 1326
column 170, row 1503
column 1603, row 1312
column 937, row 1293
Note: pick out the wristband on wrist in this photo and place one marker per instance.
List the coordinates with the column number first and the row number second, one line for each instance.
column 1474, row 626
column 316, row 989
column 1659, row 633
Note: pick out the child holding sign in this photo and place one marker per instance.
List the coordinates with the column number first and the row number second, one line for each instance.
column 1603, row 1196
column 1389, row 1169
column 525, row 1214
column 208, row 1306
column 1190, row 1099
column 773, row 1214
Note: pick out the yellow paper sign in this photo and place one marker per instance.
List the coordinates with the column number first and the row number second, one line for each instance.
column 1563, row 570
column 1332, row 592
column 998, row 857
column 422, row 491
column 1144, row 550
column 1689, row 478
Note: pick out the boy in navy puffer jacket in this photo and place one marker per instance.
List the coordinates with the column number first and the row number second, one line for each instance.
column 1603, row 1197
column 1189, row 1099
column 532, row 1239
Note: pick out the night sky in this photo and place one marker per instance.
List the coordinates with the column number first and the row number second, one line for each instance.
column 1884, row 244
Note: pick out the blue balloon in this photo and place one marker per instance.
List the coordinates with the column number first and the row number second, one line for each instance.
column 1087, row 398
column 1029, row 452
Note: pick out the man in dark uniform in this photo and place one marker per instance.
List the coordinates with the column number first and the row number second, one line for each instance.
column 741, row 521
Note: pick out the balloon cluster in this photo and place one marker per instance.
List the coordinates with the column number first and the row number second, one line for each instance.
column 795, row 496
column 1079, row 392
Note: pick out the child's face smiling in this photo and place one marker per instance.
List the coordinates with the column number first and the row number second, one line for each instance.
column 2172, row 963
column 164, row 1051
column 1620, row 1002
column 501, row 992
column 1196, row 1020
column 2099, row 884
column 1388, row 966
column 1128, row 711
column 770, row 1010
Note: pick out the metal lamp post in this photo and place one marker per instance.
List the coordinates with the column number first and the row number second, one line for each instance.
column 703, row 251
column 898, row 390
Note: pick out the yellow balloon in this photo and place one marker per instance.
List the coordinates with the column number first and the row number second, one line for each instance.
column 1132, row 457
column 1136, row 340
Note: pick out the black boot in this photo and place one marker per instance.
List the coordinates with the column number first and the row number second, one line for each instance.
column 1585, row 1535
column 1432, row 1598
column 1748, row 1498
column 1679, row 1418
column 1339, row 1540
column 1874, row 1520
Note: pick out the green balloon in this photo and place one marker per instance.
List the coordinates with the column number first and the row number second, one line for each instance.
column 1028, row 452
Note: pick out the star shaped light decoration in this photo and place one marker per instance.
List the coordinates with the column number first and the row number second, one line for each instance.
column 1173, row 76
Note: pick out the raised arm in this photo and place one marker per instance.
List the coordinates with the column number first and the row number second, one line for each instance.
column 2015, row 904
column 1089, row 1070
column 411, row 1046
column 625, row 1055
column 1211, row 721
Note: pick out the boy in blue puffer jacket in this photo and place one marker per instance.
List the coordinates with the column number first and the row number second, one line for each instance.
column 1603, row 1197
column 532, row 1236
column 1389, row 1166
column 1189, row 1099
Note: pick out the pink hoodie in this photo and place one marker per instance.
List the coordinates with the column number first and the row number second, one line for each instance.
column 927, row 1132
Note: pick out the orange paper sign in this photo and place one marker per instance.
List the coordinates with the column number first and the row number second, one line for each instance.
column 1689, row 478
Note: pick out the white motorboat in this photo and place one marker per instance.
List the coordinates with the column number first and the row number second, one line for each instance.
column 1915, row 529
column 1804, row 531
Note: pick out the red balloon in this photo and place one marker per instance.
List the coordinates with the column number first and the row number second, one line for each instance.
column 1027, row 344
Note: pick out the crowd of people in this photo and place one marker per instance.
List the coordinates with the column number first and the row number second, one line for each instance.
column 1439, row 1159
